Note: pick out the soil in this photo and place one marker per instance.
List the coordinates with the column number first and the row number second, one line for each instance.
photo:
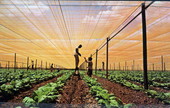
column 126, row 94
column 76, row 93
column 27, row 93
column 159, row 89
column 152, row 87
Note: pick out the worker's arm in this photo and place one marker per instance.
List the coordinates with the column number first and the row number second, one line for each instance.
column 85, row 59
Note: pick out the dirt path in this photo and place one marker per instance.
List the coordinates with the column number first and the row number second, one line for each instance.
column 127, row 95
column 75, row 92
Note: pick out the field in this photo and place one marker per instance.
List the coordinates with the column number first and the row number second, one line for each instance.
column 50, row 48
column 39, row 88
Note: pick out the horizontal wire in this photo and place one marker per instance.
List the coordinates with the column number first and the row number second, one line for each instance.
column 124, row 26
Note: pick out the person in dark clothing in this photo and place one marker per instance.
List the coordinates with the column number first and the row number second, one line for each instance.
column 90, row 66
column 32, row 64
column 52, row 67
column 76, row 56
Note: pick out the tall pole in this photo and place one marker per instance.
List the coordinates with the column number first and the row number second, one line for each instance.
column 107, row 54
column 144, row 47
column 96, row 61
column 41, row 64
column 164, row 67
column 162, row 63
column 8, row 64
column 114, row 66
column 15, row 62
column 110, row 66
column 133, row 65
column 46, row 66
column 36, row 64
column 125, row 65
column 27, row 63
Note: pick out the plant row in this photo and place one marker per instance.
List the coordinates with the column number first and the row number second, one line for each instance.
column 47, row 93
column 102, row 95
column 155, row 78
column 9, row 75
column 14, row 86
column 164, row 97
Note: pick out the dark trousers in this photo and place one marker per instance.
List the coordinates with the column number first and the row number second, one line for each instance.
column 89, row 73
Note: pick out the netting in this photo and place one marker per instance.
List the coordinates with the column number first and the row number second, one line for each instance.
column 49, row 31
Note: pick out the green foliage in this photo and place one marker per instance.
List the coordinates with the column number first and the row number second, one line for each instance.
column 23, row 79
column 101, row 94
column 49, row 92
column 123, row 77
column 29, row 101
column 7, row 89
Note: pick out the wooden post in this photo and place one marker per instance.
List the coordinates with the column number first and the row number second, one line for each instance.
column 103, row 66
column 144, row 47
column 162, row 63
column 41, row 64
column 96, row 61
column 15, row 62
column 8, row 64
column 46, row 66
column 125, row 65
column 27, row 63
column 36, row 64
column 133, row 65
column 110, row 67
column 164, row 67
column 107, row 56
column 114, row 66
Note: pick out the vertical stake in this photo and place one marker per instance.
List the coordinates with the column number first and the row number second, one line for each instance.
column 8, row 64
column 162, row 63
column 15, row 62
column 114, row 66
column 164, row 67
column 133, row 65
column 96, row 61
column 110, row 67
column 36, row 64
column 107, row 54
column 27, row 63
column 41, row 64
column 144, row 47
column 46, row 66
column 125, row 65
